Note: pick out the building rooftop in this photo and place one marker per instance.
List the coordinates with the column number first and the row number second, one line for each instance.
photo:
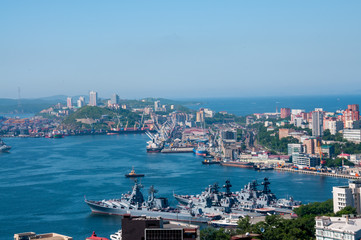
column 46, row 236
column 341, row 224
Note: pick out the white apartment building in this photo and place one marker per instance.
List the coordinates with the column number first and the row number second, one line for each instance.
column 347, row 196
column 333, row 126
column 93, row 98
column 337, row 228
column 352, row 135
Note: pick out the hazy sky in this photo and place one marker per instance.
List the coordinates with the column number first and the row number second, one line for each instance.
column 180, row 48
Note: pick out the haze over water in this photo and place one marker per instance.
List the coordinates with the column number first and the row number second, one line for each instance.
column 43, row 181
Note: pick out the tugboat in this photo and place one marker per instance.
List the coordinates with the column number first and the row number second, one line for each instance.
column 4, row 147
column 132, row 174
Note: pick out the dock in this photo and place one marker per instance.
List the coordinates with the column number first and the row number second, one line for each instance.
column 177, row 150
column 328, row 174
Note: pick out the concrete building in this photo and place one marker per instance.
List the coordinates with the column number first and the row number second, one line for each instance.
column 146, row 228
column 249, row 120
column 294, row 148
column 209, row 113
column 93, row 98
column 81, row 102
column 305, row 160
column 332, row 124
column 285, row 112
column 347, row 196
column 200, row 116
column 114, row 99
column 157, row 106
column 350, row 115
column 338, row 228
column 284, row 132
column 46, row 236
column 328, row 150
column 69, row 102
column 229, row 135
column 317, row 123
column 352, row 135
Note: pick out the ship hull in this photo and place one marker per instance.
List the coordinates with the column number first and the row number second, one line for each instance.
column 133, row 212
column 237, row 164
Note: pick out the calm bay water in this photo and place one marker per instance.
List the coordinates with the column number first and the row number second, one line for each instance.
column 43, row 181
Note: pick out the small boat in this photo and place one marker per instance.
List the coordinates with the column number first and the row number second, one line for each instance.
column 95, row 237
column 117, row 235
column 132, row 174
column 209, row 162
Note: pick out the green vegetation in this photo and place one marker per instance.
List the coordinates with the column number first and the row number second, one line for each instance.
column 89, row 112
column 327, row 136
column 276, row 228
column 347, row 147
column 271, row 140
column 338, row 162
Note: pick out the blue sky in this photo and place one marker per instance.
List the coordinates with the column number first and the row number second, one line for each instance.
column 180, row 49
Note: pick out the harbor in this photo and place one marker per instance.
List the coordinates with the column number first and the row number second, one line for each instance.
column 62, row 172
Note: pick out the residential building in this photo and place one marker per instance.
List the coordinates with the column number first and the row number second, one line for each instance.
column 208, row 113
column 352, row 135
column 327, row 150
column 81, row 102
column 294, row 148
column 284, row 132
column 355, row 158
column 46, row 236
column 305, row 160
column 69, row 102
column 285, row 112
column 337, row 228
column 317, row 123
column 157, row 106
column 200, row 116
column 332, row 124
column 350, row 115
column 249, row 120
column 347, row 196
column 229, row 135
column 93, row 98
column 114, row 99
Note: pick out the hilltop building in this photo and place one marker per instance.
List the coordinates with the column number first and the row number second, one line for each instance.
column 347, row 196
column 157, row 106
column 81, row 102
column 93, row 98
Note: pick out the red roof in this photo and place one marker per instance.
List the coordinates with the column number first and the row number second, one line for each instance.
column 95, row 237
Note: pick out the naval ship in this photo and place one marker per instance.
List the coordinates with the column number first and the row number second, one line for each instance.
column 248, row 199
column 135, row 205
column 4, row 147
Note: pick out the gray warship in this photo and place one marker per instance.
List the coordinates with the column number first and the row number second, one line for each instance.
column 248, row 199
column 134, row 204
column 4, row 147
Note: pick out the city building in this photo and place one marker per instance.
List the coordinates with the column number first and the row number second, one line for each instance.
column 229, row 135
column 294, row 148
column 347, row 196
column 337, row 228
column 93, row 98
column 285, row 112
column 208, row 113
column 284, row 132
column 146, row 228
column 157, row 106
column 332, row 124
column 249, row 120
column 81, row 102
column 327, row 150
column 200, row 116
column 352, row 135
column 114, row 99
column 350, row 115
column 305, row 160
column 317, row 123
column 69, row 102
column 46, row 236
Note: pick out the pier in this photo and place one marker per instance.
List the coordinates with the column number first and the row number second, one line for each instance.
column 318, row 173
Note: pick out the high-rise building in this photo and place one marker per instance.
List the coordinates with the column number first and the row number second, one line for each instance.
column 157, row 106
column 200, row 116
column 350, row 115
column 93, row 98
column 69, row 102
column 81, row 102
column 114, row 99
column 317, row 123
column 285, row 112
